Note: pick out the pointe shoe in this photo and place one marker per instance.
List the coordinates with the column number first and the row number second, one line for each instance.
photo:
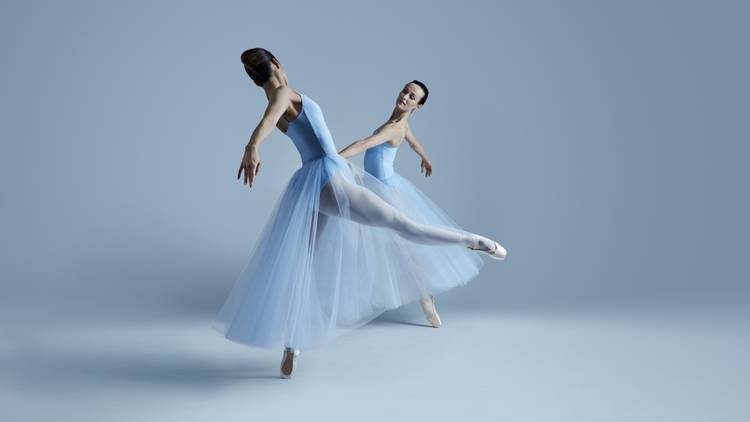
column 288, row 360
column 430, row 312
column 498, row 252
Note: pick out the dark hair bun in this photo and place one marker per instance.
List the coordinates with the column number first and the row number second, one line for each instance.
column 257, row 62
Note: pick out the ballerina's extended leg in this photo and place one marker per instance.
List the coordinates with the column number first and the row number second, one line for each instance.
column 346, row 199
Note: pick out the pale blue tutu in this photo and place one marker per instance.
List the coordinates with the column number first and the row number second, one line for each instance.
column 311, row 276
column 440, row 268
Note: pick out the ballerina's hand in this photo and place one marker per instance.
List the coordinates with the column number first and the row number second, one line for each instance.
column 426, row 166
column 250, row 164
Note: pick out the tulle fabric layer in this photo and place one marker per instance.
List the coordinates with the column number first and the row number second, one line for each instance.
column 312, row 277
column 439, row 268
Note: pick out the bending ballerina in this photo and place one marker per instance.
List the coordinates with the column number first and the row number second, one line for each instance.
column 330, row 258
column 439, row 268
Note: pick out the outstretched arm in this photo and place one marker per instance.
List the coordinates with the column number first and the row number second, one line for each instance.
column 388, row 132
column 414, row 143
column 277, row 104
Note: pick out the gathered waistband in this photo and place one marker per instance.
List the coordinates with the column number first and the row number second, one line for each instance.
column 318, row 157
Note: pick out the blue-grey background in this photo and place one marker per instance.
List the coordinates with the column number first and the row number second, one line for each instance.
column 603, row 143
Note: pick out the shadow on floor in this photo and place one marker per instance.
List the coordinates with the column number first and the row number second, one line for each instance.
column 83, row 369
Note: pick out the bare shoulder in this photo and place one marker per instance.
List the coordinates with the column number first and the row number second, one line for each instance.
column 282, row 93
column 395, row 133
column 393, row 129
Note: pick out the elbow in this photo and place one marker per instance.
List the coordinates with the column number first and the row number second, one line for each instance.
column 355, row 148
column 266, row 124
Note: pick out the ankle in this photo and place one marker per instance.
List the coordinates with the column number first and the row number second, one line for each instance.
column 472, row 241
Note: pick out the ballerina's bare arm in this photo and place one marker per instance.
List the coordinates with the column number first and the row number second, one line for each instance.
column 278, row 102
column 386, row 133
column 414, row 143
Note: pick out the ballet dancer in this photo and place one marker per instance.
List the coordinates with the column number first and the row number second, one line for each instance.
column 330, row 257
column 439, row 268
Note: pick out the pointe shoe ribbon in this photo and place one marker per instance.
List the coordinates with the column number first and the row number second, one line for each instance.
column 498, row 252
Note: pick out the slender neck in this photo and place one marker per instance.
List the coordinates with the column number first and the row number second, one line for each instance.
column 399, row 116
column 274, row 82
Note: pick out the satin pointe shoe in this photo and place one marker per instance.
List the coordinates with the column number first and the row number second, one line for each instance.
column 497, row 252
column 288, row 361
column 430, row 312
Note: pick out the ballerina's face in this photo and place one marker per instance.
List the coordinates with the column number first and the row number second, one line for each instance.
column 408, row 98
column 278, row 69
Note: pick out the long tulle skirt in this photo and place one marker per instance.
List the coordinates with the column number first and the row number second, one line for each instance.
column 438, row 268
column 312, row 276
